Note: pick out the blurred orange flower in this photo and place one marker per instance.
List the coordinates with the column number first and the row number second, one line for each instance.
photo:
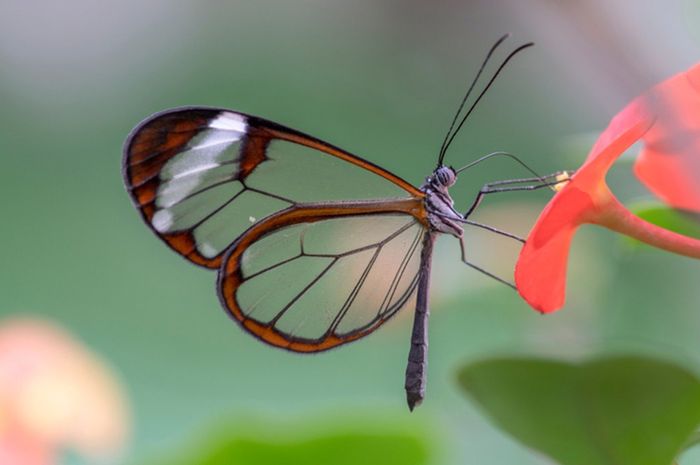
column 55, row 394
column 667, row 120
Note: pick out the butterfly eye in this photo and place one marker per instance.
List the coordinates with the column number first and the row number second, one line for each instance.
column 445, row 176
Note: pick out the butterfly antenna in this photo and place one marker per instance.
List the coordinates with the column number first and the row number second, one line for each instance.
column 441, row 154
column 500, row 154
column 481, row 95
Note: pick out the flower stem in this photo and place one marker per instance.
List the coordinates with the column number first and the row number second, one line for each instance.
column 615, row 216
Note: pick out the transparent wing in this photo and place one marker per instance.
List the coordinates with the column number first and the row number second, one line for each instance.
column 201, row 177
column 311, row 282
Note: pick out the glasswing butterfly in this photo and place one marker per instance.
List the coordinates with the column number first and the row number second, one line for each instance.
column 314, row 247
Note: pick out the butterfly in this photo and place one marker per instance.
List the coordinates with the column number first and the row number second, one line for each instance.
column 314, row 247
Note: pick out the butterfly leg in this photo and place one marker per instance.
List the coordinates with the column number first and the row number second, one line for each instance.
column 478, row 268
column 512, row 185
column 494, row 230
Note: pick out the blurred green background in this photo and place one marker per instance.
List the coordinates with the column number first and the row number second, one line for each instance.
column 380, row 79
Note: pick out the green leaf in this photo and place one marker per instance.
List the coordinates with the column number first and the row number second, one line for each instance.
column 340, row 449
column 612, row 411
column 374, row 442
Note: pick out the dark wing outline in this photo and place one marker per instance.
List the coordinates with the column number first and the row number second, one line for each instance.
column 164, row 134
column 230, row 276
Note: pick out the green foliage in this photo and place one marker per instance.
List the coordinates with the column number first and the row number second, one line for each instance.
column 621, row 411
column 257, row 445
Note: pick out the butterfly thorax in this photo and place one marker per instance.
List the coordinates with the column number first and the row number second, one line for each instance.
column 441, row 214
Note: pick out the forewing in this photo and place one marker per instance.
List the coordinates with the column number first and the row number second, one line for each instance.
column 310, row 282
column 201, row 177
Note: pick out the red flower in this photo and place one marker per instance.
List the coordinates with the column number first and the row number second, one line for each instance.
column 55, row 395
column 667, row 120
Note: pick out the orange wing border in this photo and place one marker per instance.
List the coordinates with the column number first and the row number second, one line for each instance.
column 158, row 138
column 230, row 276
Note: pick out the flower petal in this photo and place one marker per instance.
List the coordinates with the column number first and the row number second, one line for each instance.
column 57, row 392
column 669, row 164
column 19, row 448
column 540, row 273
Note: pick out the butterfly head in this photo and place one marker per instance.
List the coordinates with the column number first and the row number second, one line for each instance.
column 443, row 177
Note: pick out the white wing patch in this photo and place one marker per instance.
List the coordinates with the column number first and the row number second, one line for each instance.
column 209, row 161
column 229, row 122
column 162, row 221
